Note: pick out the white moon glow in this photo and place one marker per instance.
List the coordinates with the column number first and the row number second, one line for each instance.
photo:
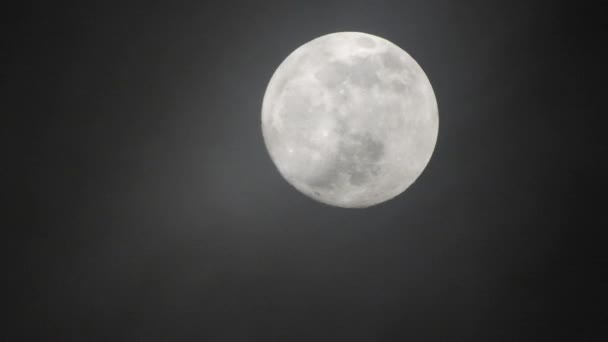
column 350, row 119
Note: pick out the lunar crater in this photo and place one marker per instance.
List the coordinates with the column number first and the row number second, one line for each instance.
column 355, row 161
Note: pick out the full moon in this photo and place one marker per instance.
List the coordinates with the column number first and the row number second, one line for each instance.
column 350, row 119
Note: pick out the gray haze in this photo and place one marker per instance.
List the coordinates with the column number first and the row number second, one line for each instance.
column 149, row 210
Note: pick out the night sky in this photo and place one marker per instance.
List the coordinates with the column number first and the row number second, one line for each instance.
column 146, row 207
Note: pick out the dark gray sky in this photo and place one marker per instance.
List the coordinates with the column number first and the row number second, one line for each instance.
column 150, row 210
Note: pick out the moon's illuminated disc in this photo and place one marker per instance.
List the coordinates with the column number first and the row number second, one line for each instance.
column 350, row 119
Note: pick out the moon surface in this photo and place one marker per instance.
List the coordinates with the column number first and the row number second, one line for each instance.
column 350, row 119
